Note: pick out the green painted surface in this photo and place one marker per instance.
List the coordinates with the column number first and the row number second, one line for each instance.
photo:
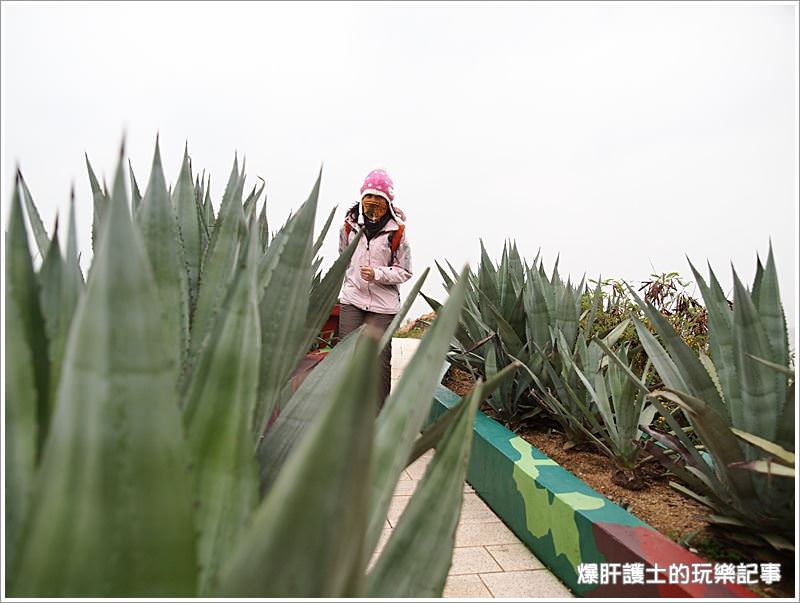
column 550, row 510
column 550, row 514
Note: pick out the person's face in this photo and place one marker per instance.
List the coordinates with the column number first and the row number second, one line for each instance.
column 375, row 207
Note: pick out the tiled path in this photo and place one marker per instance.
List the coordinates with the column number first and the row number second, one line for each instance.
column 488, row 560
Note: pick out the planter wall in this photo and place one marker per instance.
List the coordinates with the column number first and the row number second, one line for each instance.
column 564, row 522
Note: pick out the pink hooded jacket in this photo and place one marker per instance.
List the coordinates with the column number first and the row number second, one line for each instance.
column 381, row 295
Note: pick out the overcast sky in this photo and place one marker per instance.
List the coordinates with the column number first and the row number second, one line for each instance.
column 621, row 137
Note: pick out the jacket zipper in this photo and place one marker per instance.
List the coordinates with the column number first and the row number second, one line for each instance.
column 369, row 289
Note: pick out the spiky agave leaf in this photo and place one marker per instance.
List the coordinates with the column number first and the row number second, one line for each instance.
column 100, row 203
column 26, row 380
column 281, row 437
column 285, row 278
column 159, row 227
column 113, row 485
column 417, row 557
column 217, row 415
column 136, row 196
column 401, row 313
column 56, row 322
column 39, row 232
column 302, row 408
column 408, row 406
column 183, row 202
column 321, row 237
column 306, row 538
column 218, row 262
column 325, row 292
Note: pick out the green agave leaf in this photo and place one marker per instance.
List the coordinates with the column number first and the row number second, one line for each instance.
column 715, row 433
column 510, row 339
column 712, row 372
column 286, row 283
column 185, row 207
column 161, row 234
column 703, row 500
column 324, row 232
column 763, row 390
column 537, row 312
column 217, row 414
column 417, row 557
column 448, row 281
column 205, row 228
column 433, row 433
column 263, row 227
column 662, row 361
column 136, row 196
column 306, row 538
column 208, row 209
column 252, row 199
column 778, row 542
column 693, row 376
column 218, row 262
column 600, row 397
column 688, row 450
column 302, row 408
column 720, row 331
column 767, row 467
column 21, row 430
column 784, row 370
column 612, row 338
column 113, row 485
column 708, row 483
column 628, row 400
column 74, row 274
column 24, row 350
column 597, row 297
column 673, row 467
column 386, row 338
column 622, row 365
column 487, row 284
column 435, row 305
column 516, row 268
column 324, row 294
column 765, row 445
column 56, row 322
column 566, row 318
column 24, row 288
column 62, row 285
column 407, row 408
column 39, row 232
column 100, row 203
column 505, row 286
column 758, row 278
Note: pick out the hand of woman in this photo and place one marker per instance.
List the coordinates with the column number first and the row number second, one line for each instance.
column 367, row 273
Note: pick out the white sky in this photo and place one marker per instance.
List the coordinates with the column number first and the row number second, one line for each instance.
column 622, row 137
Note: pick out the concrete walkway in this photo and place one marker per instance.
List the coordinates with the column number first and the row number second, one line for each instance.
column 489, row 561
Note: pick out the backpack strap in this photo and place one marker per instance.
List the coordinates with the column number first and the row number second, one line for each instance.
column 394, row 240
column 397, row 237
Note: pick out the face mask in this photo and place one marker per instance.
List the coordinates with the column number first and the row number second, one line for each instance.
column 375, row 209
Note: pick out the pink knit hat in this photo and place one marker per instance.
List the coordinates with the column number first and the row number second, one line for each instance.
column 378, row 182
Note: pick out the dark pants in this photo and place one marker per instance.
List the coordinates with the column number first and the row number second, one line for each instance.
column 350, row 318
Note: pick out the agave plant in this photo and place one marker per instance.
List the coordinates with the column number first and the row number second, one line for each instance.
column 517, row 313
column 508, row 318
column 618, row 407
column 739, row 401
column 136, row 406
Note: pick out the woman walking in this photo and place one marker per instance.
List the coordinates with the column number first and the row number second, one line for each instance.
column 381, row 262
